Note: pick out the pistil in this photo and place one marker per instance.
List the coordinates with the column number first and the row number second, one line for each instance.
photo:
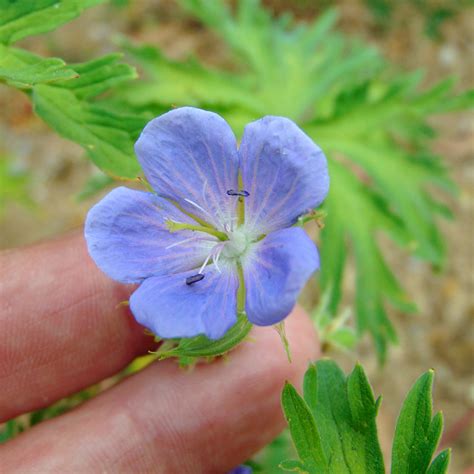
column 241, row 203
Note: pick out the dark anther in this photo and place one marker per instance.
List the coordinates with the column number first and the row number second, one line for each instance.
column 242, row 192
column 194, row 278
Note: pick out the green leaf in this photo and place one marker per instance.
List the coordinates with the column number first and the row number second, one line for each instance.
column 417, row 433
column 332, row 329
column 99, row 75
column 22, row 18
column 343, row 338
column 303, row 431
column 62, row 95
column 338, row 415
column 188, row 349
column 370, row 120
column 345, row 410
column 107, row 137
column 440, row 463
column 183, row 83
column 21, row 69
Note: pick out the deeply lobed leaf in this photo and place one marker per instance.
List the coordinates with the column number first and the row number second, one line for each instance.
column 106, row 136
column 345, row 411
column 22, row 70
column 372, row 126
column 334, row 430
column 20, row 19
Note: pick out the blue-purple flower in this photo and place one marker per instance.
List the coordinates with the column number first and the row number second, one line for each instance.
column 216, row 238
column 242, row 469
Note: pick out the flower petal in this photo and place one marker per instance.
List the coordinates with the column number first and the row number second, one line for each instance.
column 170, row 308
column 284, row 171
column 275, row 272
column 190, row 155
column 127, row 237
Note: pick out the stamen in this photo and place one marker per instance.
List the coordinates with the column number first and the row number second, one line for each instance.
column 194, row 279
column 185, row 241
column 198, row 206
column 205, row 263
column 217, row 255
column 215, row 261
column 241, row 193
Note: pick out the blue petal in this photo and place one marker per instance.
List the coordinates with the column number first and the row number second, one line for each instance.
column 128, row 240
column 284, row 171
column 275, row 272
column 242, row 469
column 188, row 155
column 170, row 308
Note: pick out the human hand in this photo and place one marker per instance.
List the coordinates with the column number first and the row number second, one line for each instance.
column 61, row 331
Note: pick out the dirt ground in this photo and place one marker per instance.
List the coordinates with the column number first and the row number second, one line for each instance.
column 439, row 336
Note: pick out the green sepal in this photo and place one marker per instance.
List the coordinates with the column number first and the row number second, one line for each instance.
column 190, row 349
column 280, row 329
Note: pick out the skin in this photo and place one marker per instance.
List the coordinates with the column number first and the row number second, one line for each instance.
column 61, row 331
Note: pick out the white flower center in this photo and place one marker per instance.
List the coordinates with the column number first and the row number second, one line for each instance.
column 237, row 245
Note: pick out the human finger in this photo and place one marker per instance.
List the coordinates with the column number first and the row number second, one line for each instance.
column 61, row 329
column 168, row 420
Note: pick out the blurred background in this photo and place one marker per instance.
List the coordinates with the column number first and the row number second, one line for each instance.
column 43, row 177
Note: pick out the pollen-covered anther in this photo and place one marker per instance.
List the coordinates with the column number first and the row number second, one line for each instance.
column 194, row 278
column 240, row 193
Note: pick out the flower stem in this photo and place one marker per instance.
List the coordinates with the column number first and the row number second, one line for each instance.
column 175, row 226
column 241, row 290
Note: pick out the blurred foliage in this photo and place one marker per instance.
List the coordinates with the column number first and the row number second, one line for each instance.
column 434, row 12
column 14, row 185
column 368, row 118
column 334, row 430
column 333, row 331
column 268, row 460
column 16, row 426
column 63, row 95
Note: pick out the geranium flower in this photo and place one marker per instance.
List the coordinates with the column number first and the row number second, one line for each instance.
column 216, row 237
